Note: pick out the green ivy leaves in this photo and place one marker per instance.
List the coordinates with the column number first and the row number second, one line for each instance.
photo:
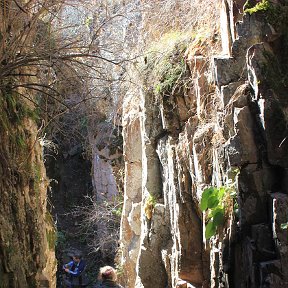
column 205, row 197
column 212, row 200
column 284, row 226
column 210, row 230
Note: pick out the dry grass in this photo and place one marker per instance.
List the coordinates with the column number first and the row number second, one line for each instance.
column 161, row 17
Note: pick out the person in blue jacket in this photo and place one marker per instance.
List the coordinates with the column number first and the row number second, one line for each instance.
column 74, row 270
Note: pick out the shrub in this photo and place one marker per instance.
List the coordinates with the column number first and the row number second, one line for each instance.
column 216, row 201
column 165, row 63
column 99, row 224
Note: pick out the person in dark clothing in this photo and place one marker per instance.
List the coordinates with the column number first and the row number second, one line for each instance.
column 74, row 271
column 108, row 278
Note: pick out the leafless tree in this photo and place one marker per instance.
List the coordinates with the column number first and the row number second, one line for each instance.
column 98, row 215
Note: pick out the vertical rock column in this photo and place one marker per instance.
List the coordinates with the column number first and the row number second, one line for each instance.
column 131, row 222
column 150, row 268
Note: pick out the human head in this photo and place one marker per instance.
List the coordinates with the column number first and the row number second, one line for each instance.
column 77, row 257
column 107, row 272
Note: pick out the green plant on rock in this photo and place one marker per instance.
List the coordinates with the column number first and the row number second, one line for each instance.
column 284, row 226
column 117, row 210
column 51, row 238
column 149, row 206
column 276, row 14
column 16, row 109
column 215, row 201
column 264, row 5
column 165, row 66
column 120, row 270
column 171, row 77
column 21, row 141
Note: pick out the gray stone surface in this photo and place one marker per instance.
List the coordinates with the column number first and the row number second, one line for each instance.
column 227, row 70
column 228, row 91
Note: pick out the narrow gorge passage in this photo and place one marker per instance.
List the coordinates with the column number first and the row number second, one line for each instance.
column 146, row 136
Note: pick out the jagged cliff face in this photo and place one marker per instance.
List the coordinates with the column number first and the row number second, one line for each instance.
column 27, row 234
column 26, row 228
column 230, row 115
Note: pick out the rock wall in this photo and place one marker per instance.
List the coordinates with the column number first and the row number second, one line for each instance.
column 232, row 117
column 27, row 233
